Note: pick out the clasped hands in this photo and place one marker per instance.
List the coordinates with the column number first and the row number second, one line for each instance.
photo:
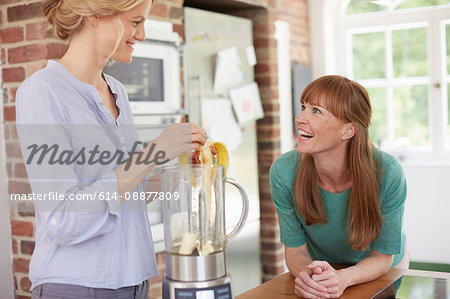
column 319, row 280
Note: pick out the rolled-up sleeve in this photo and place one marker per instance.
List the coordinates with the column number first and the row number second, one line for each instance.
column 292, row 233
column 392, row 205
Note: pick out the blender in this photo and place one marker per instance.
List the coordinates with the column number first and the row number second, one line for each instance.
column 194, row 231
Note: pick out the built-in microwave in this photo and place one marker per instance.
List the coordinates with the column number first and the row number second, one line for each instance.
column 152, row 79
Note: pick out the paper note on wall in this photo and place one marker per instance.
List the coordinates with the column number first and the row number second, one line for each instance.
column 246, row 102
column 219, row 122
column 228, row 73
column 251, row 56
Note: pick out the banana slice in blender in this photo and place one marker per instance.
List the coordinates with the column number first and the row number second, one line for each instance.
column 206, row 157
column 222, row 157
column 188, row 244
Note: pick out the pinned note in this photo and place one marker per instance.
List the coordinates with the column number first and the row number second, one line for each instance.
column 247, row 102
column 251, row 56
column 220, row 123
column 228, row 72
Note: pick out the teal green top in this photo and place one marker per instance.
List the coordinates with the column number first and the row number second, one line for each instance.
column 329, row 241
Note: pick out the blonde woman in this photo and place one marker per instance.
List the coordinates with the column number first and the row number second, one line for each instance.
column 338, row 198
column 100, row 247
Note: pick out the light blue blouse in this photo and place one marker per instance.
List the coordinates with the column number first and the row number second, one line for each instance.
column 89, row 238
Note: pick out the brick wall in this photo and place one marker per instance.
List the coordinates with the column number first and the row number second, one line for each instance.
column 27, row 43
column 295, row 12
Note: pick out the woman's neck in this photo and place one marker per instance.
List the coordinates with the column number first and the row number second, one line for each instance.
column 84, row 62
column 334, row 172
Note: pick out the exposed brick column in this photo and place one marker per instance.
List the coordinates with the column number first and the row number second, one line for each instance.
column 266, row 73
column 268, row 129
column 268, row 134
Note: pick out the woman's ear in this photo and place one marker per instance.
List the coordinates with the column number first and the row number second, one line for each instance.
column 349, row 131
column 92, row 20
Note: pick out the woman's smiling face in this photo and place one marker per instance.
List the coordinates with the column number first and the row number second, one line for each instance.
column 319, row 130
column 133, row 25
column 119, row 33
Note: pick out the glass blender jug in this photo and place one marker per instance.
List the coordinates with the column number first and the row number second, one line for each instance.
column 194, row 230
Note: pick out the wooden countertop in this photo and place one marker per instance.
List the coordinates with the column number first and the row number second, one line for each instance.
column 282, row 286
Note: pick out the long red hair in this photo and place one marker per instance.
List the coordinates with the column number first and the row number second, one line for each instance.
column 349, row 102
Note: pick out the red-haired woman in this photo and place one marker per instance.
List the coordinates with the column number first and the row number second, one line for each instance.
column 338, row 198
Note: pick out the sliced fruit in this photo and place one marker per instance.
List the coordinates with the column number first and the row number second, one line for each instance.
column 222, row 157
column 206, row 157
column 188, row 244
column 208, row 176
column 183, row 159
column 206, row 249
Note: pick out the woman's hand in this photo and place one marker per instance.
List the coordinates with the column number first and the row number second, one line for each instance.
column 306, row 287
column 196, row 155
column 179, row 138
column 334, row 282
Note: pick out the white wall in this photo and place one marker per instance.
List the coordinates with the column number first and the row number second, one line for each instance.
column 284, row 85
column 322, row 31
column 427, row 212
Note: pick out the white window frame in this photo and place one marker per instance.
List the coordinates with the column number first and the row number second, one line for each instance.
column 330, row 55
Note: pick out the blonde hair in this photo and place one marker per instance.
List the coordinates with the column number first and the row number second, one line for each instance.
column 348, row 101
column 66, row 16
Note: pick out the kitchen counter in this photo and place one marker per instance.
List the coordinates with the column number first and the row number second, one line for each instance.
column 282, row 286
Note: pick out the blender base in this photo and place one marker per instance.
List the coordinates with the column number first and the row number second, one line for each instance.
column 219, row 288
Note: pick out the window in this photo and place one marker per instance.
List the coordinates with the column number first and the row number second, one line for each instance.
column 400, row 51
column 366, row 6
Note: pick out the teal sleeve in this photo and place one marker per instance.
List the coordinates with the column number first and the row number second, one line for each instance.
column 392, row 204
column 282, row 176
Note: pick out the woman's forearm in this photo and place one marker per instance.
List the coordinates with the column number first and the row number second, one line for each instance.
column 297, row 259
column 130, row 174
column 178, row 138
column 367, row 269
